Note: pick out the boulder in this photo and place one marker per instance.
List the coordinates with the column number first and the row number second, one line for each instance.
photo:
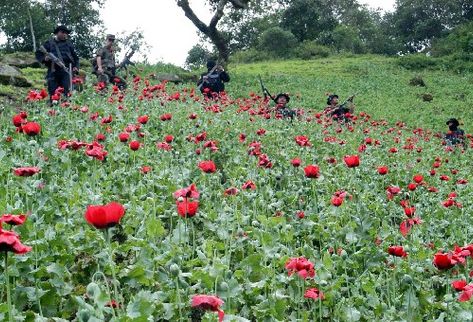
column 167, row 77
column 21, row 60
column 10, row 75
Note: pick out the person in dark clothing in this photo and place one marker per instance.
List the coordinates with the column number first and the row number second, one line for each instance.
column 455, row 135
column 212, row 82
column 281, row 106
column 336, row 110
column 61, row 47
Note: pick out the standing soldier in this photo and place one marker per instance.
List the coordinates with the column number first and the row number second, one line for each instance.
column 104, row 63
column 59, row 55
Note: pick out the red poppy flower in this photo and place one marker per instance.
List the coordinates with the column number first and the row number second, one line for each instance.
column 143, row 119
column 14, row 220
column 412, row 186
column 193, row 116
column 31, row 128
column 337, row 201
column 296, row 162
column 249, row 185
column 409, row 211
column 19, row 119
column 207, row 166
column 187, row 192
column 312, row 171
column 123, row 137
column 466, row 294
column 397, row 251
column 26, row 171
column 313, row 293
column 100, row 137
column 134, row 145
column 166, row 117
column 352, row 161
column 10, row 242
column 145, row 169
column 300, row 265
column 186, row 208
column 444, row 261
column 459, row 285
column 169, row 138
column 231, row 191
column 106, row 119
column 209, row 303
column 418, row 178
column 302, row 140
column 383, row 170
column 95, row 150
column 105, row 216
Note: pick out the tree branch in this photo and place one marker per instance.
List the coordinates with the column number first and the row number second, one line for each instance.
column 218, row 14
column 184, row 4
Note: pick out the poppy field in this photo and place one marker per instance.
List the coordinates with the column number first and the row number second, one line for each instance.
column 155, row 204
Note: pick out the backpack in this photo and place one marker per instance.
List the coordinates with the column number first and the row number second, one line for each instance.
column 213, row 82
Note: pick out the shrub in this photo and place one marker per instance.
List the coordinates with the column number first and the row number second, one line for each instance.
column 278, row 42
column 310, row 49
column 249, row 56
column 417, row 62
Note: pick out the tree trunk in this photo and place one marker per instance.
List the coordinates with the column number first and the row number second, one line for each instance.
column 31, row 25
column 210, row 30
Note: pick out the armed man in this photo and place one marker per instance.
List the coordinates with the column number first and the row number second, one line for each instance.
column 59, row 55
column 104, row 63
column 339, row 112
column 212, row 82
column 282, row 111
column 455, row 135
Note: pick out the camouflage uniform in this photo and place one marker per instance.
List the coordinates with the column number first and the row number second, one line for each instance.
column 108, row 64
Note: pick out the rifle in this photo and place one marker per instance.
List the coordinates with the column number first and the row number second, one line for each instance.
column 348, row 100
column 265, row 90
column 55, row 60
column 126, row 61
column 208, row 74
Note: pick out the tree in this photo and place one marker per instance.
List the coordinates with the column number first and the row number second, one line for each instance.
column 27, row 23
column 418, row 22
column 197, row 57
column 219, row 8
column 278, row 42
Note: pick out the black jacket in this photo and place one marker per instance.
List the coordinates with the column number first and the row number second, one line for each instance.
column 66, row 53
column 215, row 81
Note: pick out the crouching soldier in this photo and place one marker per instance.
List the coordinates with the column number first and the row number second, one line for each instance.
column 281, row 108
column 455, row 135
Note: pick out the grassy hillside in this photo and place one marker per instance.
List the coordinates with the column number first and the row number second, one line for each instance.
column 381, row 85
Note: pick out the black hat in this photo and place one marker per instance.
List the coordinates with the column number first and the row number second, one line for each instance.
column 454, row 121
column 282, row 95
column 111, row 37
column 211, row 64
column 330, row 98
column 61, row 28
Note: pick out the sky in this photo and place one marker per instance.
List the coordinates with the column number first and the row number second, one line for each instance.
column 169, row 33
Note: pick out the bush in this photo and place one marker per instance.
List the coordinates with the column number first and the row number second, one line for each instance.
column 417, row 62
column 249, row 56
column 417, row 81
column 197, row 57
column 310, row 49
column 278, row 42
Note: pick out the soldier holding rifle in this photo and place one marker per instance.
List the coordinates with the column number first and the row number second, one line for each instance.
column 59, row 55
column 339, row 112
column 212, row 82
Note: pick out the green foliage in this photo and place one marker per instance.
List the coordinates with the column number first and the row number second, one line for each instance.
column 251, row 55
column 417, row 62
column 197, row 57
column 346, row 38
column 310, row 49
column 458, row 40
column 278, row 42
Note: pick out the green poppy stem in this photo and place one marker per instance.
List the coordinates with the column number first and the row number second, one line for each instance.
column 112, row 268
column 7, row 282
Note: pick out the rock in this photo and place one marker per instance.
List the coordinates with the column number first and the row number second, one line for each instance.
column 12, row 76
column 417, row 81
column 21, row 60
column 167, row 77
column 427, row 97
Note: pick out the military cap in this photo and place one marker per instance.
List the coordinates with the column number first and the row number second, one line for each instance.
column 282, row 95
column 61, row 28
column 111, row 37
column 453, row 121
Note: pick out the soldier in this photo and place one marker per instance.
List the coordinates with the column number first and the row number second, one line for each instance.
column 104, row 63
column 338, row 111
column 455, row 135
column 60, row 49
column 213, row 81
column 281, row 106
